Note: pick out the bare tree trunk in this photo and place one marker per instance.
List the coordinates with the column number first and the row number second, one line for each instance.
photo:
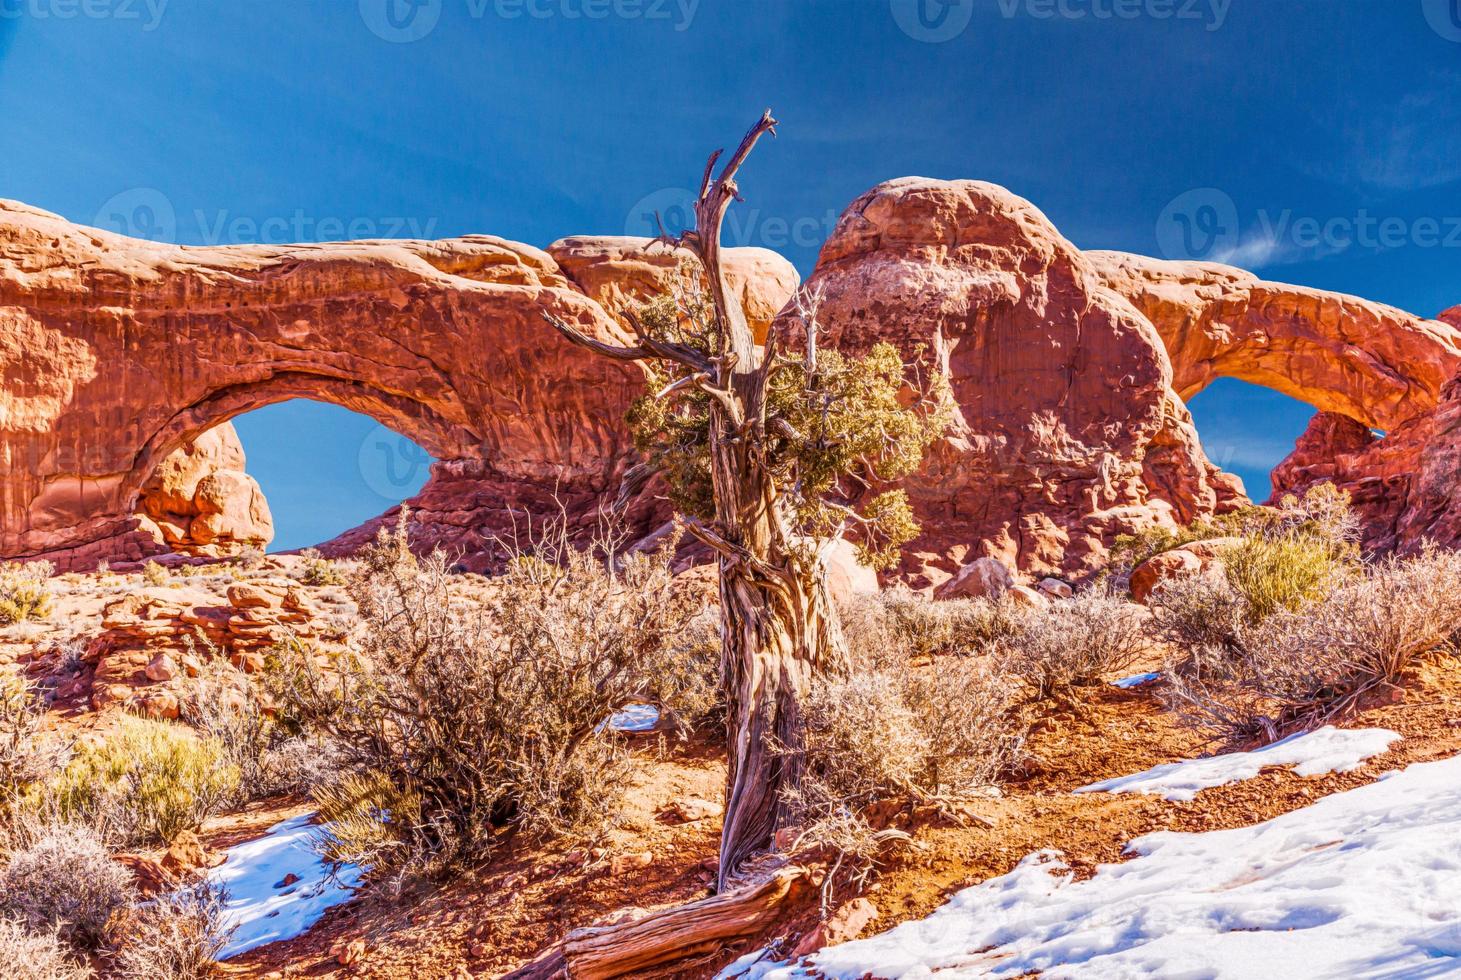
column 779, row 628
column 777, row 637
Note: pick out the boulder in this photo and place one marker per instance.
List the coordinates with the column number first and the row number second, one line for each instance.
column 202, row 502
column 843, row 925
column 1185, row 561
column 982, row 578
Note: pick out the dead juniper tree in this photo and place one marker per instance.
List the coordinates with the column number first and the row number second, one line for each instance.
column 771, row 457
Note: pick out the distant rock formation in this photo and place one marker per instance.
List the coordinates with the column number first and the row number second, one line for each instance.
column 1069, row 370
column 201, row 502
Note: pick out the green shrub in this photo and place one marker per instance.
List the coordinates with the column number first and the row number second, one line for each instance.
column 24, row 594
column 318, row 570
column 1283, row 572
column 147, row 782
column 155, row 574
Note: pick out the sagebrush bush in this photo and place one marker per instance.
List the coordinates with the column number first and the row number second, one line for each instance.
column 320, row 571
column 58, row 876
column 146, row 782
column 1073, row 643
column 270, row 759
column 24, row 592
column 1299, row 669
column 155, row 574
column 479, row 716
column 26, row 756
column 1295, row 555
column 889, row 732
column 30, row 955
column 900, row 623
column 175, row 936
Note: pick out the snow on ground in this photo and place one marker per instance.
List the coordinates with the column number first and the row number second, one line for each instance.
column 635, row 718
column 264, row 911
column 1324, row 750
column 1135, row 680
column 1362, row 884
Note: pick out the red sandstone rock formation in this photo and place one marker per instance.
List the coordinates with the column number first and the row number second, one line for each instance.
column 201, row 502
column 1405, row 487
column 116, row 352
column 1068, row 431
column 1069, row 370
column 1370, row 362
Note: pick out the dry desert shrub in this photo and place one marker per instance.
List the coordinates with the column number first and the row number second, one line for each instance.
column 176, row 936
column 24, row 593
column 26, row 756
column 458, row 720
column 270, row 759
column 1297, row 554
column 144, row 784
column 1074, row 643
column 1297, row 670
column 30, row 955
column 57, row 876
column 155, row 574
column 890, row 732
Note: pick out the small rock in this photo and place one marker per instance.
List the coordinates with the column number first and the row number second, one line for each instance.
column 631, row 862
column 161, row 668
column 840, row 927
column 1025, row 596
column 186, row 853
column 348, row 954
column 287, row 880
column 1055, row 588
column 690, row 810
column 987, row 578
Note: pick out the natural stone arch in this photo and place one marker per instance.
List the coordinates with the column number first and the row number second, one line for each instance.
column 114, row 352
column 1373, row 363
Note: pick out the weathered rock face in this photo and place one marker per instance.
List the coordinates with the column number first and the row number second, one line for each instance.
column 201, row 501
column 618, row 272
column 114, row 353
column 1370, row 362
column 1405, row 487
column 1068, row 429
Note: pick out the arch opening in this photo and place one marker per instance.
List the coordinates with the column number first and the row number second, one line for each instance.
column 284, row 476
column 1248, row 429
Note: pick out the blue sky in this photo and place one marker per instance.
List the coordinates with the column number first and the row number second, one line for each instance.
column 214, row 121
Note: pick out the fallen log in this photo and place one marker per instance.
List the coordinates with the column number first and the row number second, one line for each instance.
column 663, row 938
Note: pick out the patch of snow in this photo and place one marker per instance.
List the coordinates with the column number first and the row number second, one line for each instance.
column 1136, row 680
column 1365, row 883
column 265, row 913
column 635, row 718
column 1324, row 750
